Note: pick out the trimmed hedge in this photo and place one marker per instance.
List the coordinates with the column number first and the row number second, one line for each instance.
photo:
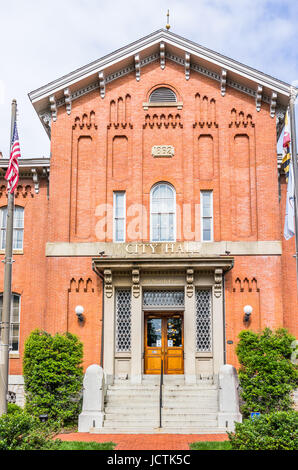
column 267, row 376
column 20, row 431
column 53, row 375
column 273, row 431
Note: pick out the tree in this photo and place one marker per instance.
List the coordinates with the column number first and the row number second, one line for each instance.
column 53, row 375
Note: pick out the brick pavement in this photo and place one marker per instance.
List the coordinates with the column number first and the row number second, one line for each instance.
column 145, row 441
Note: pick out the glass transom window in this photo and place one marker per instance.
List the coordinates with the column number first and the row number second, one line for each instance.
column 163, row 213
column 163, row 298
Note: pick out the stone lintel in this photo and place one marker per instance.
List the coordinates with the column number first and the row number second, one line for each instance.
column 171, row 250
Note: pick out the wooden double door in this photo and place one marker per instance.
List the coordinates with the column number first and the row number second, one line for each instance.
column 164, row 343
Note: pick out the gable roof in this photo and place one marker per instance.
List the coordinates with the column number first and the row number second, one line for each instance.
column 161, row 45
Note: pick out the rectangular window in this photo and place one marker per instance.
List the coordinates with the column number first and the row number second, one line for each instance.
column 119, row 216
column 18, row 227
column 14, row 321
column 207, row 216
column 123, row 320
column 203, row 320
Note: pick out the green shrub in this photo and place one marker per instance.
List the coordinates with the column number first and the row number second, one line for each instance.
column 266, row 375
column 53, row 375
column 273, row 431
column 13, row 408
column 20, row 431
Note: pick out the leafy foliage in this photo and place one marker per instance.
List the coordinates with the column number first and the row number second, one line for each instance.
column 266, row 376
column 13, row 408
column 20, row 431
column 53, row 375
column 273, row 431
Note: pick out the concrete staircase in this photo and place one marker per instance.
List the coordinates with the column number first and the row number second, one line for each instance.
column 189, row 409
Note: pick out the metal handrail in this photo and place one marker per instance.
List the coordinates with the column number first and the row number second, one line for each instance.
column 160, row 393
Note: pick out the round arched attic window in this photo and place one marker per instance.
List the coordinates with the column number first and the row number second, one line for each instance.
column 163, row 95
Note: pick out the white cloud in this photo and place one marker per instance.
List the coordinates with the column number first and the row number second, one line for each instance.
column 41, row 41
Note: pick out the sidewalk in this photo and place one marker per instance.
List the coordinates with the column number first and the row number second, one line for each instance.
column 145, row 441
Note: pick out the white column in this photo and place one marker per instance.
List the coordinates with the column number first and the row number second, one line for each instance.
column 189, row 336
column 218, row 326
column 109, row 330
column 137, row 331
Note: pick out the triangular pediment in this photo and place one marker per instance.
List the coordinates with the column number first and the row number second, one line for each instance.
column 161, row 46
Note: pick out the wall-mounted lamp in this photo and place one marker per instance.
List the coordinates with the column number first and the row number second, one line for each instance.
column 79, row 312
column 247, row 312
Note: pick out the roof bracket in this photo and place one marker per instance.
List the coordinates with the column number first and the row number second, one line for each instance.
column 162, row 55
column 187, row 65
column 53, row 104
column 35, row 180
column 137, row 67
column 259, row 94
column 223, row 82
column 102, row 84
column 273, row 104
column 67, row 95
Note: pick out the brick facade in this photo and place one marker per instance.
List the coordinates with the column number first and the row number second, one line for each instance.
column 221, row 143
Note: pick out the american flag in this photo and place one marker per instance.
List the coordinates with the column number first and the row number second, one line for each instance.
column 12, row 173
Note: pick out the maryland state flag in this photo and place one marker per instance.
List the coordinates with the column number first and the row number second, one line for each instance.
column 287, row 165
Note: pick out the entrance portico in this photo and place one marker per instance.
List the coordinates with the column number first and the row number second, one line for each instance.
column 163, row 285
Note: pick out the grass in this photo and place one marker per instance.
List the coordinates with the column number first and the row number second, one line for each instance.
column 79, row 445
column 225, row 445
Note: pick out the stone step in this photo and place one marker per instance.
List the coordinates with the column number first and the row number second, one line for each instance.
column 129, row 386
column 156, row 430
column 146, row 419
column 167, row 393
column 197, row 417
column 170, row 403
column 166, row 418
column 144, row 409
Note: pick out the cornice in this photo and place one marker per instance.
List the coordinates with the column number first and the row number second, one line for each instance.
column 166, row 37
column 31, row 168
column 160, row 45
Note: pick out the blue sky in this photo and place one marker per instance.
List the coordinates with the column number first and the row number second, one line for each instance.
column 41, row 41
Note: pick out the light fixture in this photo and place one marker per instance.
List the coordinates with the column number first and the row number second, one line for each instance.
column 247, row 312
column 79, row 312
column 43, row 418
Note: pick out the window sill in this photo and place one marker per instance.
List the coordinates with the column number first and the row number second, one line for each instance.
column 15, row 252
column 14, row 355
column 177, row 104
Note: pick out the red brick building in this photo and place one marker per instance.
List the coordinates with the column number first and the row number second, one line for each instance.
column 160, row 211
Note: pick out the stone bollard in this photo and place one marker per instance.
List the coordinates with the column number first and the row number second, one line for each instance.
column 228, row 398
column 92, row 415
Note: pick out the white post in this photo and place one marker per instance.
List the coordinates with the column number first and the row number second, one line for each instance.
column 92, row 415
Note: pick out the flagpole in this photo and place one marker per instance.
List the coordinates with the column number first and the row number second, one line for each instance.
column 295, row 167
column 4, row 371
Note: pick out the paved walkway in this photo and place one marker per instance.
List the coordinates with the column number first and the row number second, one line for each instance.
column 145, row 441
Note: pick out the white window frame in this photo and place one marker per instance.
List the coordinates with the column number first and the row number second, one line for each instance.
column 15, row 323
column 151, row 213
column 116, row 218
column 202, row 216
column 15, row 229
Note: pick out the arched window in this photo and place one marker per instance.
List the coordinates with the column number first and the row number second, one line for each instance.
column 163, row 95
column 18, row 227
column 14, row 321
column 163, row 213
